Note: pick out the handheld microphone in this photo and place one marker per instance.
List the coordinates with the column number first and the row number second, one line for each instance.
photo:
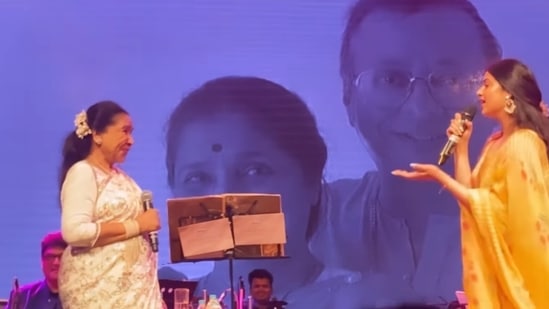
column 448, row 149
column 146, row 200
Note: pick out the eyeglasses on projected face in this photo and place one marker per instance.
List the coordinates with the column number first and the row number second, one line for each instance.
column 389, row 88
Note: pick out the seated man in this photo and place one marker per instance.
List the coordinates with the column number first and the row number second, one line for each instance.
column 42, row 294
column 261, row 288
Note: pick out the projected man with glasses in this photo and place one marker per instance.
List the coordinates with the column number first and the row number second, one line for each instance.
column 42, row 294
column 406, row 67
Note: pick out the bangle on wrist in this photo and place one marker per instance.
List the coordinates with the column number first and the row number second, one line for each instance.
column 132, row 228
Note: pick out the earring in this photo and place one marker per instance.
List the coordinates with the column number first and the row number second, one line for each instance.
column 509, row 105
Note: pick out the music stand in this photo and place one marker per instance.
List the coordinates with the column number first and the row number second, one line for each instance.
column 226, row 227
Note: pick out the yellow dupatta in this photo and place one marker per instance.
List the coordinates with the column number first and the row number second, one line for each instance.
column 505, row 229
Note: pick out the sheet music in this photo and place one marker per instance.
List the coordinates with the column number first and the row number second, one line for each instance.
column 259, row 229
column 199, row 227
column 206, row 237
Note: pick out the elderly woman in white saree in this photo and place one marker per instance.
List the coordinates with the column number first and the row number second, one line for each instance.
column 109, row 263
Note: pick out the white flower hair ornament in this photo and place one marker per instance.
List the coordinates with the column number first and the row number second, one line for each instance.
column 81, row 124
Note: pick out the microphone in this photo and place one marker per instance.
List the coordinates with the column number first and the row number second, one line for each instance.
column 146, row 199
column 241, row 293
column 241, row 282
column 448, row 149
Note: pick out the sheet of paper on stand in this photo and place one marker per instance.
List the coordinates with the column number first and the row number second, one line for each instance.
column 259, row 229
column 203, row 238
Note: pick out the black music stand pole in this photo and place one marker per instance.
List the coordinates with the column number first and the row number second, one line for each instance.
column 230, row 253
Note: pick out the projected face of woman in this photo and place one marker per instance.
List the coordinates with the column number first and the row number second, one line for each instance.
column 417, row 71
column 223, row 153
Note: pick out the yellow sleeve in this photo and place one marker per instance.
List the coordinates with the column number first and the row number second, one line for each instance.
column 511, row 217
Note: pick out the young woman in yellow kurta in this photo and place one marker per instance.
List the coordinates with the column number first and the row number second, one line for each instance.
column 505, row 200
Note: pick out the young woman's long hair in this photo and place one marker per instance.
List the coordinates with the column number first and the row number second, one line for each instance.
column 517, row 79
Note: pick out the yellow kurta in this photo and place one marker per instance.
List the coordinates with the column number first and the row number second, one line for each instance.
column 505, row 229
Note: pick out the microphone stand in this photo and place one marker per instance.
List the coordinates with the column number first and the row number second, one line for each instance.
column 230, row 253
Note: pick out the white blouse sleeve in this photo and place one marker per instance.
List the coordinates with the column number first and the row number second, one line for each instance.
column 78, row 197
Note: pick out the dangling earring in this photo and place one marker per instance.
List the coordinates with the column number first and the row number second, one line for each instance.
column 509, row 105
